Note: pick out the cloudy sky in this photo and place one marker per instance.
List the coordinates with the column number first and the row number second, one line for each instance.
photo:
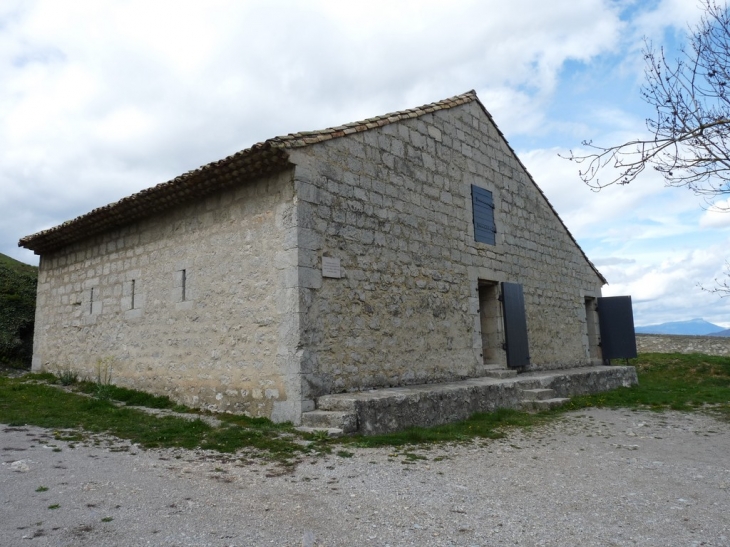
column 101, row 98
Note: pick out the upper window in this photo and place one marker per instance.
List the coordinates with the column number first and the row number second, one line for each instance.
column 483, row 210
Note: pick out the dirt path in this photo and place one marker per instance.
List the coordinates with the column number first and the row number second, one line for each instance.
column 596, row 478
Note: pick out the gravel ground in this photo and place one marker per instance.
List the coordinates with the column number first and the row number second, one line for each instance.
column 598, row 477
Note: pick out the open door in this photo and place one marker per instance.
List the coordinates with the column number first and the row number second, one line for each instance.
column 515, row 326
column 616, row 323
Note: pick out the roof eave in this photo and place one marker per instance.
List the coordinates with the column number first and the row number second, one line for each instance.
column 247, row 164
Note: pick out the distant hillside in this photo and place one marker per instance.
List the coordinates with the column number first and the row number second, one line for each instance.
column 17, row 310
column 725, row 332
column 694, row 326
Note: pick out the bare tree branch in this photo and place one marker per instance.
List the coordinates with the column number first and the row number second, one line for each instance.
column 722, row 286
column 690, row 143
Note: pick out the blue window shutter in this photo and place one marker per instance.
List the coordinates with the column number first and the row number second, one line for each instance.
column 515, row 326
column 483, row 211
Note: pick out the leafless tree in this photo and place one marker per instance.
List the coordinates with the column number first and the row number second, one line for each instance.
column 690, row 142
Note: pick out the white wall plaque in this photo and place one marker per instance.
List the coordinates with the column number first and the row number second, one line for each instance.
column 331, row 267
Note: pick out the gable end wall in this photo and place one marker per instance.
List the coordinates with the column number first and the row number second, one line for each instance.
column 394, row 205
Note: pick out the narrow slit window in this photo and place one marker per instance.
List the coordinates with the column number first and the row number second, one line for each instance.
column 183, row 281
column 131, row 290
column 91, row 301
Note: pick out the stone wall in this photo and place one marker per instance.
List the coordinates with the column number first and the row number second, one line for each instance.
column 660, row 343
column 192, row 303
column 393, row 204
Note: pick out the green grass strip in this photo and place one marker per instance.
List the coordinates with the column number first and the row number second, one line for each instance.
column 673, row 381
column 666, row 381
column 25, row 401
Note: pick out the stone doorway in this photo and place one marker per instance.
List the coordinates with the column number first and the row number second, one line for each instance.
column 592, row 332
column 492, row 326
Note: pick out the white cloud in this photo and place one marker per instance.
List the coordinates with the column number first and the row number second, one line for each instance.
column 612, row 261
column 100, row 99
column 671, row 287
column 613, row 211
column 717, row 216
column 677, row 16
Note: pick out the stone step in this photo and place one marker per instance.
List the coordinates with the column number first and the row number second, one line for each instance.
column 544, row 404
column 426, row 405
column 537, row 394
column 340, row 402
column 330, row 431
column 494, row 371
column 499, row 373
column 330, row 419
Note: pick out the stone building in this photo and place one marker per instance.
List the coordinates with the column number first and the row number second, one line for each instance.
column 410, row 248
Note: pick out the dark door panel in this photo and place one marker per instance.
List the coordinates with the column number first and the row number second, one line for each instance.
column 616, row 323
column 515, row 325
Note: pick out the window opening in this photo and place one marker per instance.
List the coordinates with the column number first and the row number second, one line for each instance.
column 91, row 301
column 132, row 294
column 483, row 215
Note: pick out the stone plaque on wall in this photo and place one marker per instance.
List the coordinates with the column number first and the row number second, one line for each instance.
column 331, row 267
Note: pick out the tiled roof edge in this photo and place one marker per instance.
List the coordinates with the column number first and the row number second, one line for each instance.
column 305, row 138
column 259, row 159
column 255, row 161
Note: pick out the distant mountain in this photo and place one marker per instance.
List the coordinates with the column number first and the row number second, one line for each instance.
column 694, row 326
column 725, row 333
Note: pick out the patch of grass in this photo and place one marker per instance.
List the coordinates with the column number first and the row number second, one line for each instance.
column 410, row 456
column 68, row 436
column 68, row 377
column 673, row 381
column 54, row 506
column 107, row 519
column 131, row 397
column 319, row 435
column 30, row 401
column 46, row 377
column 42, row 489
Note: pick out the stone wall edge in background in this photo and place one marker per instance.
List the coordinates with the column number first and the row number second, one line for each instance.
column 676, row 343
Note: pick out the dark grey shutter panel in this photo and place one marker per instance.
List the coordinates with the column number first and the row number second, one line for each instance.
column 483, row 210
column 616, row 323
column 515, row 325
